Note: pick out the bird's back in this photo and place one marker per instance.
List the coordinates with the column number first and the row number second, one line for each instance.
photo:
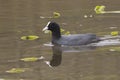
column 77, row 39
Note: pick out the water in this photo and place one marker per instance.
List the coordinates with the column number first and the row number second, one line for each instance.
column 22, row 17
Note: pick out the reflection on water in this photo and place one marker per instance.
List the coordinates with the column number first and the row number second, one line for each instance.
column 58, row 50
column 56, row 56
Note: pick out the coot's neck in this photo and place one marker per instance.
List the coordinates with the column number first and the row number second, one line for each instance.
column 56, row 34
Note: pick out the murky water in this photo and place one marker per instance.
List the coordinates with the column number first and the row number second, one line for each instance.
column 22, row 17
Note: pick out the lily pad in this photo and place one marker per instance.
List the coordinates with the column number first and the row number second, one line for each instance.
column 56, row 15
column 32, row 59
column 47, row 31
column 30, row 37
column 62, row 30
column 16, row 70
column 114, row 33
column 67, row 33
column 99, row 9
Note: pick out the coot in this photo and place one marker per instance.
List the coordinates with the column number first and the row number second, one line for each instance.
column 69, row 40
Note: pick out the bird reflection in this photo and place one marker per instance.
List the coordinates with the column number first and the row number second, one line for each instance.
column 57, row 56
column 58, row 50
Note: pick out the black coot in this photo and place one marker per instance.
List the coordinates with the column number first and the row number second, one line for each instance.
column 70, row 40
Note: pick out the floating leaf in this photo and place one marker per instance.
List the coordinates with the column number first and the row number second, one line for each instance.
column 47, row 31
column 29, row 59
column 99, row 9
column 56, row 15
column 67, row 33
column 16, row 70
column 115, row 33
column 62, row 30
column 30, row 37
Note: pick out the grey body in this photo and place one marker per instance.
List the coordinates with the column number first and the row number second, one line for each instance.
column 76, row 39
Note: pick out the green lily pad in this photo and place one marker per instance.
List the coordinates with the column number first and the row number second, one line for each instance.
column 47, row 31
column 56, row 15
column 30, row 37
column 67, row 33
column 16, row 70
column 30, row 59
column 62, row 30
column 99, row 9
column 114, row 33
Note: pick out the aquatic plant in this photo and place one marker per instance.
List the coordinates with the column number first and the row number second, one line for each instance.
column 114, row 33
column 16, row 70
column 30, row 37
column 101, row 10
column 67, row 33
column 56, row 15
column 31, row 59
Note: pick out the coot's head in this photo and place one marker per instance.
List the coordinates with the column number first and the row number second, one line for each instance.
column 52, row 26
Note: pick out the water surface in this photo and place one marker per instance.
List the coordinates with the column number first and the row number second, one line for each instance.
column 22, row 17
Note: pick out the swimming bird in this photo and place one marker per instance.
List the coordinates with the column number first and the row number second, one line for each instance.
column 69, row 40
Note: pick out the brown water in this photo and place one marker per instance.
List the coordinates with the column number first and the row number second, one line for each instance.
column 22, row 17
